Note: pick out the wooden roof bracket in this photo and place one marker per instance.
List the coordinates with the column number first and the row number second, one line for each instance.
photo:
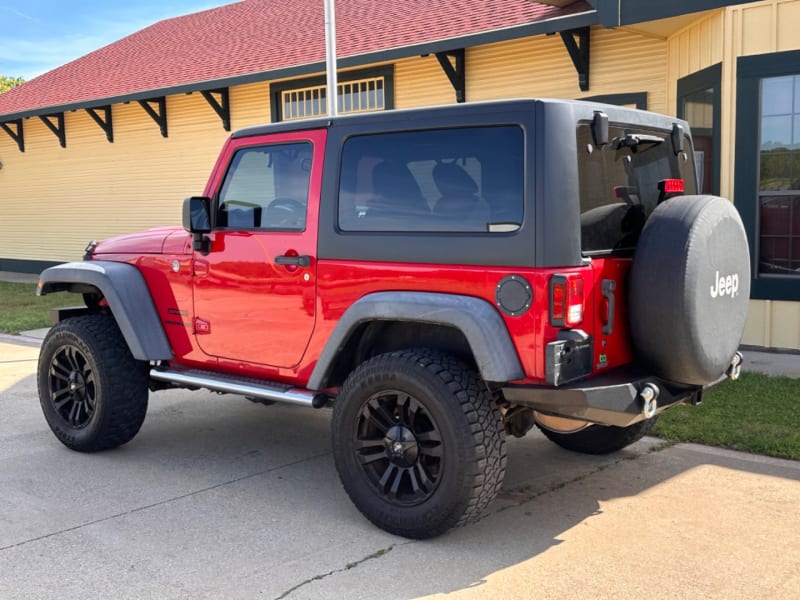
column 104, row 122
column 221, row 106
column 159, row 113
column 456, row 73
column 17, row 135
column 57, row 128
column 579, row 53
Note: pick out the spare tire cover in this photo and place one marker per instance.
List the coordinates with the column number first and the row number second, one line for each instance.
column 689, row 289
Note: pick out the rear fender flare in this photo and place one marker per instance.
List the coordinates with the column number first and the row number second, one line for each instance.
column 481, row 324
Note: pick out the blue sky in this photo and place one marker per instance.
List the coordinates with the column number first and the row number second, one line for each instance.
column 39, row 35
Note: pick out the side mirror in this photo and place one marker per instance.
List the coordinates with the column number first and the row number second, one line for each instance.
column 197, row 221
column 197, row 214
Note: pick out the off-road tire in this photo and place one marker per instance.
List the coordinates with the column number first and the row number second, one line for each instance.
column 600, row 439
column 458, row 477
column 92, row 391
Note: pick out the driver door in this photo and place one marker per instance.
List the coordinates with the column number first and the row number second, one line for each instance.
column 255, row 291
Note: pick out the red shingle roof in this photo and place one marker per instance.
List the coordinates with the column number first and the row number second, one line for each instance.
column 269, row 37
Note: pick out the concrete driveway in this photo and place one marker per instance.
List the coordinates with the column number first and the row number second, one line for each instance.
column 221, row 498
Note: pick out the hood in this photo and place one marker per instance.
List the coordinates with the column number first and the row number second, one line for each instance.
column 152, row 241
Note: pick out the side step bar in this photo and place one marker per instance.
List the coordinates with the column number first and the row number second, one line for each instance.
column 241, row 386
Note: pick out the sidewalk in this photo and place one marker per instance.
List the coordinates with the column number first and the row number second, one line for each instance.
column 772, row 363
column 19, row 277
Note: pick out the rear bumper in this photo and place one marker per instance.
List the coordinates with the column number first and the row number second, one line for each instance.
column 622, row 397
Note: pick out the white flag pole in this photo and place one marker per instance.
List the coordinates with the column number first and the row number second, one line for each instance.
column 330, row 58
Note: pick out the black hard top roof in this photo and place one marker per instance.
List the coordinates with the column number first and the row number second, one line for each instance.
column 465, row 110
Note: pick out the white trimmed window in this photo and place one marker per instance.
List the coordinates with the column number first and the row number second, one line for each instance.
column 363, row 95
column 357, row 92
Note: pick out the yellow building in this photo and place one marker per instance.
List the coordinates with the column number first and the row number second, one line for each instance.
column 112, row 142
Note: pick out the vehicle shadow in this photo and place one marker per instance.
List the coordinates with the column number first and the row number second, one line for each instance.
column 567, row 525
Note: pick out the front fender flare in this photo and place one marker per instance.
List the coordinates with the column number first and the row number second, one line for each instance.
column 481, row 324
column 128, row 296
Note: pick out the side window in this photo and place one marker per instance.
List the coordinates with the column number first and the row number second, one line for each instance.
column 699, row 102
column 266, row 187
column 619, row 184
column 779, row 177
column 447, row 180
column 767, row 170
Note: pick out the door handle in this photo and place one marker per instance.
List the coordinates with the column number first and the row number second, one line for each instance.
column 295, row 261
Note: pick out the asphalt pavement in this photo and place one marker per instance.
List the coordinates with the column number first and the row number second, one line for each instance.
column 221, row 498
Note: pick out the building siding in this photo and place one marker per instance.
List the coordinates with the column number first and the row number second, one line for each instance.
column 721, row 37
column 54, row 200
column 693, row 49
column 420, row 81
column 139, row 181
column 758, row 28
column 620, row 62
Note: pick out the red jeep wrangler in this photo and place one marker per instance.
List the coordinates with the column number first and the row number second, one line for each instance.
column 441, row 276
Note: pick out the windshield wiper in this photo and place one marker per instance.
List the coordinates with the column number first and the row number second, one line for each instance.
column 633, row 140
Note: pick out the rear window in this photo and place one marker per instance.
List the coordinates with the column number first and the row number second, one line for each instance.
column 444, row 180
column 619, row 184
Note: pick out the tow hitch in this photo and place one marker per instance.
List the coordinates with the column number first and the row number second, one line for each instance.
column 735, row 369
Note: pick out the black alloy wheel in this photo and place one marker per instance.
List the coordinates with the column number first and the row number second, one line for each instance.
column 418, row 442
column 72, row 386
column 399, row 447
column 93, row 392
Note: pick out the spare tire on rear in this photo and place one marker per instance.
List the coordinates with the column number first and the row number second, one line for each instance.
column 689, row 289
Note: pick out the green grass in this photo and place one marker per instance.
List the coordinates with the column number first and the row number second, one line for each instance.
column 757, row 414
column 21, row 309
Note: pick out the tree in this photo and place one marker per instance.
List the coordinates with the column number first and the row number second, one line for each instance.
column 6, row 83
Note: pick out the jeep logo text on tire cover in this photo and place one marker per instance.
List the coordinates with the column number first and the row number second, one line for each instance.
column 725, row 285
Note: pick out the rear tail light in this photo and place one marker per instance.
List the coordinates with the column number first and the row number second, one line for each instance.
column 566, row 300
